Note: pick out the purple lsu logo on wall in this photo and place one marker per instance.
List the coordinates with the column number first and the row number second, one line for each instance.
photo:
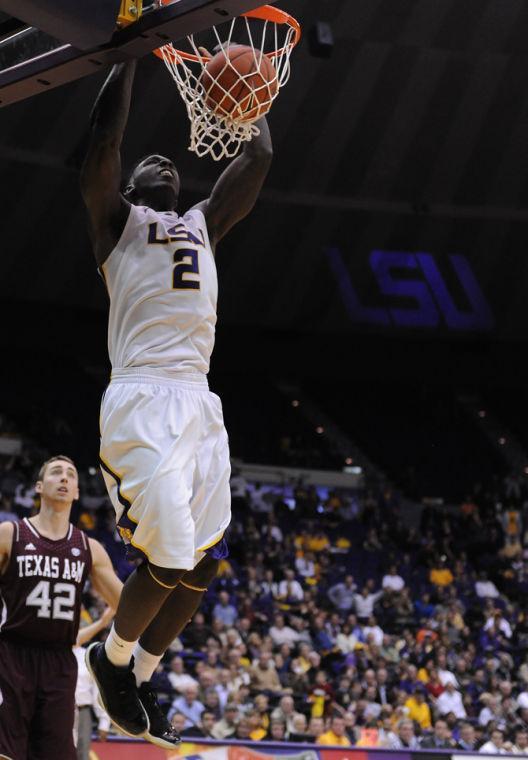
column 434, row 307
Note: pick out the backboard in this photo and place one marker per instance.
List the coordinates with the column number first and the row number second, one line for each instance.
column 32, row 62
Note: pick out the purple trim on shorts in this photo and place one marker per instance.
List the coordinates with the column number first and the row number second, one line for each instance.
column 219, row 551
column 132, row 553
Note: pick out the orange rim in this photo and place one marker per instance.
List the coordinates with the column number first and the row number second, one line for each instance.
column 265, row 13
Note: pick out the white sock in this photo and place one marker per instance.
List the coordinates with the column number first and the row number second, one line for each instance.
column 144, row 664
column 117, row 649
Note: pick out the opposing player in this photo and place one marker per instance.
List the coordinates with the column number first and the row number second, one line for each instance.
column 44, row 564
column 164, row 449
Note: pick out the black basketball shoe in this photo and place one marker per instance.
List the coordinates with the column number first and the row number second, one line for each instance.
column 117, row 691
column 160, row 731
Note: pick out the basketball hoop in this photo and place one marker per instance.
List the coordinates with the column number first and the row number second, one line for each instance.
column 268, row 32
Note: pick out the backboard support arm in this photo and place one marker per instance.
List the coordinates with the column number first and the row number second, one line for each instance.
column 66, row 63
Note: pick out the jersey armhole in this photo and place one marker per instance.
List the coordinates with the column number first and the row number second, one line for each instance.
column 132, row 214
column 203, row 225
column 15, row 536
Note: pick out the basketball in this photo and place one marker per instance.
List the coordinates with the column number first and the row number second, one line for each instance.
column 240, row 83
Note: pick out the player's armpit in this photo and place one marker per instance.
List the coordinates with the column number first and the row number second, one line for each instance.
column 103, row 577
column 237, row 188
column 6, row 542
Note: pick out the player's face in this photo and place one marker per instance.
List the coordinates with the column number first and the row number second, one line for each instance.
column 156, row 172
column 59, row 484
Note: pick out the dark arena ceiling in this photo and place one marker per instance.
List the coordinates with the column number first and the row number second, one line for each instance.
column 412, row 136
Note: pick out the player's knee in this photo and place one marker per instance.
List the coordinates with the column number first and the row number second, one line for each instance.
column 203, row 574
column 165, row 576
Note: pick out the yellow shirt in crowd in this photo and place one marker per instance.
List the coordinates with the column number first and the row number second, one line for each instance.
column 330, row 738
column 419, row 712
column 441, row 576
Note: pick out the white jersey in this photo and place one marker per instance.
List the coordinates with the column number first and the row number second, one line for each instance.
column 163, row 287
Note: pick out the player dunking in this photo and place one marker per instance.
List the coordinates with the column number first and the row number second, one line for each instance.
column 44, row 563
column 164, row 449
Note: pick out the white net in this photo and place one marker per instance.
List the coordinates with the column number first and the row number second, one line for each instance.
column 223, row 107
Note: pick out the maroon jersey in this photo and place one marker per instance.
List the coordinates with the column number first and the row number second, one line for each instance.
column 40, row 591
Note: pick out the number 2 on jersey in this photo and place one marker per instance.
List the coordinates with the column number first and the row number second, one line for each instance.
column 186, row 263
column 62, row 605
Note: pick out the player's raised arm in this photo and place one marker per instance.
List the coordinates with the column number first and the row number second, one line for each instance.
column 237, row 188
column 103, row 577
column 101, row 170
column 6, row 542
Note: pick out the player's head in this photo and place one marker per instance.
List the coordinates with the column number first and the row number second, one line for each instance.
column 154, row 181
column 58, row 481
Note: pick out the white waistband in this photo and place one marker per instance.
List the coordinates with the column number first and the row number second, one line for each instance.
column 159, row 375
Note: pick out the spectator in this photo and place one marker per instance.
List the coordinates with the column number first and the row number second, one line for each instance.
column 491, row 709
column 445, row 675
column 418, row 709
column 440, row 574
column 205, row 727
column 342, row 595
column 386, row 735
column 260, row 500
column 316, row 727
column 197, row 633
column 498, row 622
column 382, row 686
column 264, row 676
column 321, row 695
column 243, row 729
column 466, row 739
column 440, row 737
column 257, row 731
column 290, row 590
column 188, row 706
column 365, row 602
column 299, row 732
column 178, row 722
column 224, row 610
column 336, row 735
column 305, row 565
column 405, row 737
column 281, row 633
column 372, row 632
column 392, row 581
column 484, row 588
column 450, row 701
column 286, row 712
column 495, row 746
column 277, row 731
column 520, row 744
column 226, row 726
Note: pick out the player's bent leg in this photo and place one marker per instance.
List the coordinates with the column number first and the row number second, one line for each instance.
column 170, row 621
column 203, row 574
column 141, row 599
column 179, row 607
column 110, row 664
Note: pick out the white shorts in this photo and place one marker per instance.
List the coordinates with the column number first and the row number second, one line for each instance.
column 165, row 461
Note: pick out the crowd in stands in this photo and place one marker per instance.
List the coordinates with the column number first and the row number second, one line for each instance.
column 334, row 622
